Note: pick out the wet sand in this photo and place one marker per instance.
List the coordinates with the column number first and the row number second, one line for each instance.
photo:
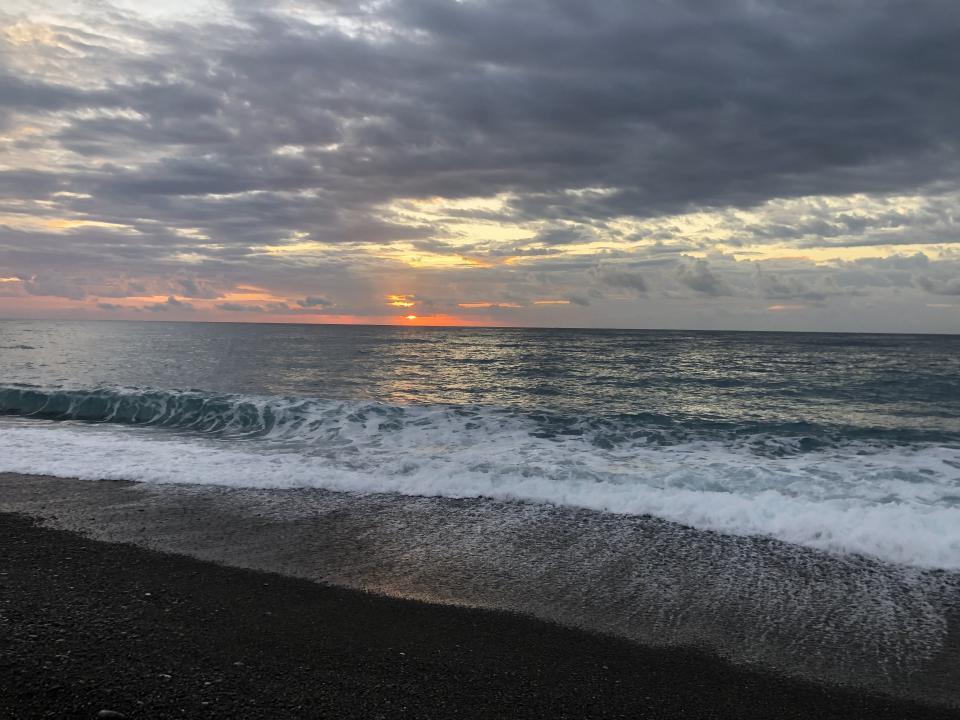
column 190, row 601
column 90, row 626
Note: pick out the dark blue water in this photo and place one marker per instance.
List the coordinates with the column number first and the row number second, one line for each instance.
column 906, row 382
column 846, row 442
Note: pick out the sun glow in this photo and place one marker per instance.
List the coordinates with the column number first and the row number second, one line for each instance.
column 482, row 305
column 401, row 301
column 23, row 222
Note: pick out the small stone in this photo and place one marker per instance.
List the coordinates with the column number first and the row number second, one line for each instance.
column 110, row 715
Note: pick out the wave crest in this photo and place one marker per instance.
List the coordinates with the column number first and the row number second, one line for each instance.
column 895, row 497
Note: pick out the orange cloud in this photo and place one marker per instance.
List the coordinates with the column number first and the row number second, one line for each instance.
column 475, row 305
column 401, row 301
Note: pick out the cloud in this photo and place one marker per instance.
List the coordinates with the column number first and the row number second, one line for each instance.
column 624, row 279
column 192, row 287
column 697, row 275
column 564, row 236
column 109, row 306
column 313, row 301
column 529, row 107
column 940, row 286
column 543, row 150
column 778, row 286
column 484, row 305
column 54, row 285
column 171, row 303
column 238, row 307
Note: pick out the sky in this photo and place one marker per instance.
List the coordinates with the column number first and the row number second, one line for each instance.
column 749, row 164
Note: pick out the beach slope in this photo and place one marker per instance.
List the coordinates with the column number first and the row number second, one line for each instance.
column 90, row 626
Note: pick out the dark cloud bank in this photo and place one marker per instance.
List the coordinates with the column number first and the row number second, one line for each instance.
column 195, row 146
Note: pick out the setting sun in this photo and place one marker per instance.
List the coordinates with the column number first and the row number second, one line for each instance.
column 411, row 317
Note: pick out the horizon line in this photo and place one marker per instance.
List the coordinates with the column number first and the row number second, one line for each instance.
column 481, row 327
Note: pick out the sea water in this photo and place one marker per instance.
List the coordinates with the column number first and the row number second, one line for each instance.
column 849, row 444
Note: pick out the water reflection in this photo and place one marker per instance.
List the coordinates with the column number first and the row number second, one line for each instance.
column 880, row 381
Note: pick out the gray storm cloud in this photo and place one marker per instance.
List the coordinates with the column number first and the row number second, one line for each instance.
column 194, row 156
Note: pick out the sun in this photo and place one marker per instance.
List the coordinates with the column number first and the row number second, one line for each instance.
column 411, row 317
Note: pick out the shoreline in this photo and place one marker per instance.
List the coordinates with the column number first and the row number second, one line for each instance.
column 754, row 602
column 92, row 625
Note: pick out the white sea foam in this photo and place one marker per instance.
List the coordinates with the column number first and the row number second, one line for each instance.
column 900, row 503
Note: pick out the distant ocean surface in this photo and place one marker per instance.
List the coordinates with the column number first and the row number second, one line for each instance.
column 844, row 443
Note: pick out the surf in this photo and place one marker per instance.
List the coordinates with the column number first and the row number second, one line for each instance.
column 892, row 496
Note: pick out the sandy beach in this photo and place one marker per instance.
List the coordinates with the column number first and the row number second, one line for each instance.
column 93, row 625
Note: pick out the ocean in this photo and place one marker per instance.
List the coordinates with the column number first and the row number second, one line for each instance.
column 846, row 443
column 783, row 498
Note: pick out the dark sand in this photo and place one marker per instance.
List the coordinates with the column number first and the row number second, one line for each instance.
column 87, row 626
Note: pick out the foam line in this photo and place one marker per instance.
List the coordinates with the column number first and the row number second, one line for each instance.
column 898, row 504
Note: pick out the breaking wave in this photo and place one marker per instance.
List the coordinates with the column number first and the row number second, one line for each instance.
column 893, row 495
